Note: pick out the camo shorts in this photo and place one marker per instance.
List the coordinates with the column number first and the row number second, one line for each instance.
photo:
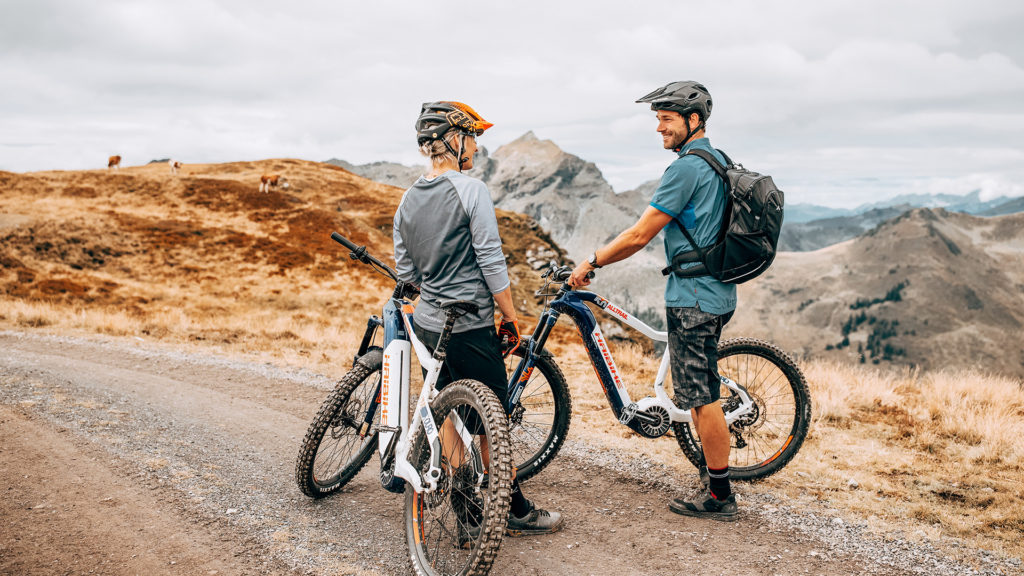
column 693, row 349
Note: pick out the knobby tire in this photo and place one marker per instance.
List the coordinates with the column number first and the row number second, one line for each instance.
column 779, row 389
column 332, row 452
column 539, row 423
column 438, row 525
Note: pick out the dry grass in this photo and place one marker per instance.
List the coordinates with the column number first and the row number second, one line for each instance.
column 932, row 453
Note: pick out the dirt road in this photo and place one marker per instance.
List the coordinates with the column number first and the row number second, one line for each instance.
column 119, row 457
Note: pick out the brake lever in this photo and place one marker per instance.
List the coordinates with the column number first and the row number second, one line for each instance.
column 358, row 254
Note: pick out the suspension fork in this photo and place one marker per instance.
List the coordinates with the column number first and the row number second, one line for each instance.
column 535, row 345
column 372, row 324
column 371, row 411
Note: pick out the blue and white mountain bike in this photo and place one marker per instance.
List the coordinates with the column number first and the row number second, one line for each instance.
column 764, row 395
column 453, row 460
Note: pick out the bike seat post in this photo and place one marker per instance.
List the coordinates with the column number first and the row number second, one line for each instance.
column 446, row 334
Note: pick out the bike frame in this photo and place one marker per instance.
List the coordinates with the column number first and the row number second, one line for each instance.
column 573, row 303
column 395, row 438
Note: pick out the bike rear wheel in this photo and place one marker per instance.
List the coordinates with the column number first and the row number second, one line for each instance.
column 457, row 529
column 334, row 449
column 762, row 442
column 539, row 422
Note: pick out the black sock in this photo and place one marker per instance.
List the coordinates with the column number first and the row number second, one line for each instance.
column 719, row 487
column 520, row 505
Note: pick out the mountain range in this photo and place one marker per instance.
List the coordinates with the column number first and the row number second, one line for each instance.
column 929, row 287
column 558, row 189
column 930, row 280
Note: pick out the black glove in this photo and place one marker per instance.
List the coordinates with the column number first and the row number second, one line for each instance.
column 508, row 332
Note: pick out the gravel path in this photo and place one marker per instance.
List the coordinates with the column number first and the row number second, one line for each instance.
column 121, row 457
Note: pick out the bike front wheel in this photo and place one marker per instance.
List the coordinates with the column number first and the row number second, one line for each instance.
column 539, row 422
column 337, row 444
column 457, row 528
column 766, row 439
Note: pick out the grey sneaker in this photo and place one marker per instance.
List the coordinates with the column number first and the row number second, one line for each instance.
column 536, row 521
column 704, row 505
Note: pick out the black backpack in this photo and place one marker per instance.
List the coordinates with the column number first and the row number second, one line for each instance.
column 750, row 227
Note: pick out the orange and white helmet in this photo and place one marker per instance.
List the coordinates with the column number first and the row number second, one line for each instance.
column 437, row 118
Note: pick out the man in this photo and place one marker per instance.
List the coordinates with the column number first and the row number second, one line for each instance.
column 446, row 242
column 693, row 195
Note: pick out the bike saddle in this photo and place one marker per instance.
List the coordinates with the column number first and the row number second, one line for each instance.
column 464, row 305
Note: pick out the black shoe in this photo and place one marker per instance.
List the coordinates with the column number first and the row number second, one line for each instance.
column 536, row 521
column 704, row 505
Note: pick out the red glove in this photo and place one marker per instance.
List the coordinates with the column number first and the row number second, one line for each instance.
column 508, row 332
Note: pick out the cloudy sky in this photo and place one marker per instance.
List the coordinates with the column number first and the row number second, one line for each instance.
column 842, row 102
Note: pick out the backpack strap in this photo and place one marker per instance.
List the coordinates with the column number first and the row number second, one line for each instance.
column 696, row 255
column 712, row 161
column 699, row 254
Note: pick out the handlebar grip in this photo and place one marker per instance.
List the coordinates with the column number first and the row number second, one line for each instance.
column 343, row 241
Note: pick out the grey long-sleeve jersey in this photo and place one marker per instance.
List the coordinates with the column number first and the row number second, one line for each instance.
column 447, row 242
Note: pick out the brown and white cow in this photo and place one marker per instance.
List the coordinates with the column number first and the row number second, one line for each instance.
column 268, row 181
column 175, row 165
column 114, row 162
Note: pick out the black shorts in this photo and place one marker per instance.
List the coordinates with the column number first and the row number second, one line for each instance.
column 474, row 354
column 693, row 352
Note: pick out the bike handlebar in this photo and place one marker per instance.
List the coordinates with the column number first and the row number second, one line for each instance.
column 359, row 253
column 561, row 274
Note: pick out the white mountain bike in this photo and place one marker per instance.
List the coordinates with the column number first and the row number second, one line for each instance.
column 453, row 461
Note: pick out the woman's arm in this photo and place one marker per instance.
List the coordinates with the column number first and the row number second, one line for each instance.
column 504, row 301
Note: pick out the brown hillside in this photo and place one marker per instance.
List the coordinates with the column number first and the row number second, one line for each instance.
column 205, row 262
column 931, row 288
column 206, row 253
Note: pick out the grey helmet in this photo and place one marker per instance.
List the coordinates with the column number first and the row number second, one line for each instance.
column 682, row 97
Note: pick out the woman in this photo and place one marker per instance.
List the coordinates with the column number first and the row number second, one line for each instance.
column 447, row 243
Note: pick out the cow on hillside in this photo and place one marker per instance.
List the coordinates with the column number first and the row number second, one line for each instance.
column 175, row 165
column 114, row 162
column 268, row 181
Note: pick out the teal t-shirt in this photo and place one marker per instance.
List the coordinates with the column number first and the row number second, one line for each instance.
column 691, row 192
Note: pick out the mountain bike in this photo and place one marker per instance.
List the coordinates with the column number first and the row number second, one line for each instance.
column 452, row 461
column 764, row 395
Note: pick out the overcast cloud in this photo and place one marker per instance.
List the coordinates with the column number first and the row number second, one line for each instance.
column 843, row 102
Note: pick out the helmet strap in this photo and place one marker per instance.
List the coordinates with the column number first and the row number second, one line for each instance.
column 462, row 149
column 689, row 131
column 452, row 150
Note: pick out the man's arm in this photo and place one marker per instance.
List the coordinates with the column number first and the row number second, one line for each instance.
column 624, row 245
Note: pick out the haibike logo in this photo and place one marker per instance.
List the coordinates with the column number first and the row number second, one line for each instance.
column 384, row 381
column 618, row 312
column 601, row 302
column 607, row 358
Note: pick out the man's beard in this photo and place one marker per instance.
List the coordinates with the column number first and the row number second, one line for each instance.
column 674, row 140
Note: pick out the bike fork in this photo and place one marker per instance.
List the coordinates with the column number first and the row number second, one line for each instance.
column 521, row 375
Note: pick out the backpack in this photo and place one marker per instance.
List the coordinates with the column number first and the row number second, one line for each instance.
column 750, row 229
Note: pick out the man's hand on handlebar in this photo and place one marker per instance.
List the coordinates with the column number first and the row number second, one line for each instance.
column 581, row 275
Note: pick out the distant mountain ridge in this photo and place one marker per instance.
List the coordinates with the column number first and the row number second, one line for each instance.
column 930, row 287
column 537, row 178
column 572, row 201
